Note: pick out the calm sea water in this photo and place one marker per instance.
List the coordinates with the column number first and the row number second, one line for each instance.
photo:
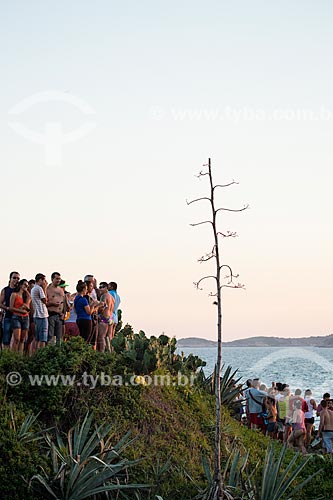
column 306, row 368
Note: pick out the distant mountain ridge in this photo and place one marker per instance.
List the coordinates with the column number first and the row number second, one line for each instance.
column 324, row 341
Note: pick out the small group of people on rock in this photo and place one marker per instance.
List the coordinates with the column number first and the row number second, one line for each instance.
column 278, row 413
column 35, row 313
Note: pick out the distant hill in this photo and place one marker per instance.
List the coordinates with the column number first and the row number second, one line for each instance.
column 195, row 342
column 326, row 341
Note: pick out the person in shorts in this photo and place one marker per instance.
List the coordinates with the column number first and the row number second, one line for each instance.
column 56, row 308
column 20, row 307
column 256, row 400
column 112, row 287
column 284, row 412
column 6, row 292
column 326, row 426
column 105, row 318
column 29, row 346
column 272, row 428
column 298, row 432
column 309, row 415
column 71, row 328
column 41, row 315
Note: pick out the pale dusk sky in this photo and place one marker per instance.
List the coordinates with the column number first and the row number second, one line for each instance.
column 160, row 87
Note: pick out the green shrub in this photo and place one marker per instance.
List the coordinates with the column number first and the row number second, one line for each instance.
column 20, row 458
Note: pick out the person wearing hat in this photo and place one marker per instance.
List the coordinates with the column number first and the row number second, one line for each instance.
column 63, row 285
column 67, row 306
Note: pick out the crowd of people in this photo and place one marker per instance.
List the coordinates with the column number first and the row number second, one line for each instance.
column 278, row 413
column 35, row 313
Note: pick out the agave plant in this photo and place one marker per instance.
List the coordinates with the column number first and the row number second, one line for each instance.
column 24, row 433
column 234, row 480
column 273, row 482
column 229, row 388
column 85, row 464
column 277, row 482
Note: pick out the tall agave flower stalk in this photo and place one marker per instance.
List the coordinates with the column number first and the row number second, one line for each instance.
column 220, row 282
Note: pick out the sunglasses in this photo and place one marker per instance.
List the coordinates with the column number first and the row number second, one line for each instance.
column 15, row 278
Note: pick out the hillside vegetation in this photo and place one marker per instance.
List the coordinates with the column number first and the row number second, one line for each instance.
column 155, row 436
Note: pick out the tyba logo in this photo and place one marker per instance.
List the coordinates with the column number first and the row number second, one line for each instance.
column 53, row 138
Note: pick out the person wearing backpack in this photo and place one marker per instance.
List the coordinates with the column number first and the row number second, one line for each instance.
column 256, row 403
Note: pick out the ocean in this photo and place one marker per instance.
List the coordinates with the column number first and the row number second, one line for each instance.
column 304, row 368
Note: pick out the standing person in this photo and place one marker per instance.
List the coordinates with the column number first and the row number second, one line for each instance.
column 91, row 295
column 20, row 306
column 6, row 292
column 113, row 292
column 246, row 396
column 326, row 426
column 91, row 298
column 326, row 397
column 71, row 328
column 279, row 388
column 298, row 433
column 67, row 296
column 309, row 415
column 41, row 315
column 56, row 307
column 256, row 401
column 67, row 305
column 83, row 311
column 105, row 317
column 89, row 278
column 29, row 346
column 271, row 417
column 284, row 413
column 298, row 397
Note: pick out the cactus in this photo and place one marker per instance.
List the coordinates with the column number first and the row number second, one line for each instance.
column 148, row 354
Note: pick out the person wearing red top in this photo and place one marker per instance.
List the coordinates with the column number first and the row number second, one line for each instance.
column 20, row 306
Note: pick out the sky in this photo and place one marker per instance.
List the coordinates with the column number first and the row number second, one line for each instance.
column 127, row 100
